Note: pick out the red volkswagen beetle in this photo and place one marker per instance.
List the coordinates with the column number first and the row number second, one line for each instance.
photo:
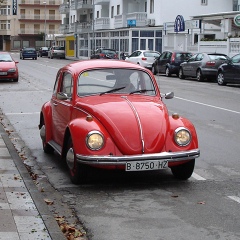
column 110, row 114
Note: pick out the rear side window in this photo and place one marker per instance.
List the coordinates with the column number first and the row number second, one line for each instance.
column 217, row 57
column 183, row 56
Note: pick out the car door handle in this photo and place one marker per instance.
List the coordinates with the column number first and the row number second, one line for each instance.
column 55, row 104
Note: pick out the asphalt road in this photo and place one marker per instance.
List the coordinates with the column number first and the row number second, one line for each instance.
column 148, row 205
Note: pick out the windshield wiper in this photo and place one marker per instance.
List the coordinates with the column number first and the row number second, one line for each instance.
column 141, row 91
column 112, row 90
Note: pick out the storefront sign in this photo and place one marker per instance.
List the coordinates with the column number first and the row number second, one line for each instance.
column 179, row 25
column 237, row 20
column 14, row 7
column 131, row 23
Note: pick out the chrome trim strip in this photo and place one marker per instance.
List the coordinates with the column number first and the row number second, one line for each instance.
column 138, row 120
column 121, row 160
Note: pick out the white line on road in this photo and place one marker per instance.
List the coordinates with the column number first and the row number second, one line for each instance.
column 234, row 198
column 198, row 177
column 22, row 113
column 225, row 109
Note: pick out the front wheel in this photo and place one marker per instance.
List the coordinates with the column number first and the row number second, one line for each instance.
column 199, row 75
column 220, row 79
column 78, row 172
column 183, row 171
column 154, row 70
column 180, row 74
column 167, row 72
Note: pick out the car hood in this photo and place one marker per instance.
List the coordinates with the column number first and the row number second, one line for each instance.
column 136, row 124
column 6, row 65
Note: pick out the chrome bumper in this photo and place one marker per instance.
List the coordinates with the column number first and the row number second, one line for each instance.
column 121, row 160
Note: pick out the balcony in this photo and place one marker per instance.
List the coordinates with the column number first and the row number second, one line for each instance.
column 40, row 17
column 64, row 8
column 31, row 31
column 120, row 21
column 39, row 2
column 83, row 27
column 64, row 28
column 101, row 2
column 81, row 4
column 102, row 23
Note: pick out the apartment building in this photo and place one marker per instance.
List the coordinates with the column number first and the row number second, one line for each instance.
column 127, row 25
column 28, row 23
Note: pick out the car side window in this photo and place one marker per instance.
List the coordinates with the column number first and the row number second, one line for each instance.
column 58, row 79
column 162, row 56
column 192, row 59
column 236, row 59
column 67, row 84
column 199, row 57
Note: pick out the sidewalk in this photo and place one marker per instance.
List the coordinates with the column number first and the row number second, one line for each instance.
column 23, row 213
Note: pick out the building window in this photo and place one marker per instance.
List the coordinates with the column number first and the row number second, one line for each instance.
column 151, row 6
column 204, row 2
column 112, row 11
column 118, row 9
column 145, row 7
column 97, row 14
column 5, row 10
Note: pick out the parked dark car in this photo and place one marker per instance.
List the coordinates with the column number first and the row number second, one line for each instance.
column 104, row 53
column 202, row 66
column 229, row 72
column 43, row 51
column 28, row 53
column 169, row 62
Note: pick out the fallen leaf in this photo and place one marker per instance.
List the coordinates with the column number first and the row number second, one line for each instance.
column 48, row 202
column 203, row 202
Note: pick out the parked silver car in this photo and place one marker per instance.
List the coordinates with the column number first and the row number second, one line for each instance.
column 56, row 52
column 202, row 66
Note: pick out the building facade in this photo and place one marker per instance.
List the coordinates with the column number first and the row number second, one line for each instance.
column 28, row 23
column 127, row 25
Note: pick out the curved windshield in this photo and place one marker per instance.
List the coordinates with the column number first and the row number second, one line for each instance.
column 115, row 81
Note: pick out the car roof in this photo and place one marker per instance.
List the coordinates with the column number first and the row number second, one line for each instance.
column 102, row 63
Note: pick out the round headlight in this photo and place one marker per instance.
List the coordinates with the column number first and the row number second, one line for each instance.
column 182, row 136
column 94, row 140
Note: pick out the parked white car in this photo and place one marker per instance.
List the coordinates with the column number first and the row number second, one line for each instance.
column 145, row 58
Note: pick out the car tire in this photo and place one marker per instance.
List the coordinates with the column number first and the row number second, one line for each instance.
column 46, row 147
column 154, row 72
column 199, row 76
column 180, row 74
column 183, row 171
column 78, row 172
column 15, row 79
column 167, row 72
column 220, row 79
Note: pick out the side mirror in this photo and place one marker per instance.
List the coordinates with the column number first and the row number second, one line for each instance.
column 169, row 95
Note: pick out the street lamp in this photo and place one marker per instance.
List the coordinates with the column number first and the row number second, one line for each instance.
column 45, row 24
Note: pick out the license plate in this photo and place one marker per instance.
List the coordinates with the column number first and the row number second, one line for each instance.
column 3, row 73
column 146, row 165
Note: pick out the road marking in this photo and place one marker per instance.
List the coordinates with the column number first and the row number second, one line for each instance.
column 234, row 198
column 208, row 105
column 22, row 113
column 198, row 177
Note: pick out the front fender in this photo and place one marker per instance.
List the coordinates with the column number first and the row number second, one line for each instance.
column 171, row 146
column 79, row 129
